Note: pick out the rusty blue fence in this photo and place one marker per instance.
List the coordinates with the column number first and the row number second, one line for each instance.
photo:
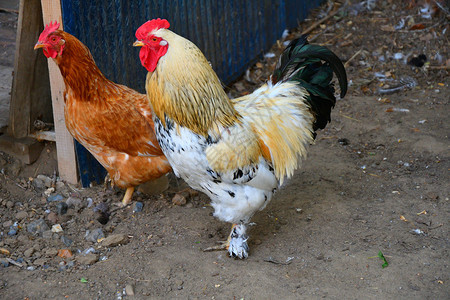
column 231, row 33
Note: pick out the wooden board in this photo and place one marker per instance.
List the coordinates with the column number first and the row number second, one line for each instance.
column 51, row 11
column 30, row 93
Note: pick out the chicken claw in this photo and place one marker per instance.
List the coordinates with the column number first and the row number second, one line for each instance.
column 127, row 197
column 236, row 244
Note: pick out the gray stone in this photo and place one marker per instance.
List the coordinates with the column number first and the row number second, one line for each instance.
column 9, row 204
column 68, row 242
column 52, row 217
column 21, row 215
column 60, row 185
column 15, row 168
column 37, row 227
column 38, row 183
column 129, row 290
column 94, row 235
column 73, row 202
column 138, row 206
column 48, row 234
column 54, row 198
column 62, row 208
column 47, row 180
column 29, row 252
column 114, row 240
column 87, row 259
column 179, row 200
column 51, row 252
column 6, row 224
column 40, row 261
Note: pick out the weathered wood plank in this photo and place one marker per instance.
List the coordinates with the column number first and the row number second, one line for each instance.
column 51, row 11
column 30, row 93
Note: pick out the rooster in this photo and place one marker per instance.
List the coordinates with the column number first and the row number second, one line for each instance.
column 237, row 151
column 112, row 121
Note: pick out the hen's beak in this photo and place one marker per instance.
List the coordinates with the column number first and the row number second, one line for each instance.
column 138, row 43
column 39, row 45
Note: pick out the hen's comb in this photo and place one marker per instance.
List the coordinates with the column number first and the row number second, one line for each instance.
column 149, row 26
column 49, row 28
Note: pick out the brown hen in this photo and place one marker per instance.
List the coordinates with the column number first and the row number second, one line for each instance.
column 110, row 120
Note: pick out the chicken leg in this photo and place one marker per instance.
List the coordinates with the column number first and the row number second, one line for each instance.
column 127, row 197
column 236, row 244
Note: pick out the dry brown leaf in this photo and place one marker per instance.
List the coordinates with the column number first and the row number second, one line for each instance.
column 65, row 253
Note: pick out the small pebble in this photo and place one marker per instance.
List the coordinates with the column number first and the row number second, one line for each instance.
column 21, row 215
column 68, row 242
column 52, row 217
column 38, row 183
column 47, row 180
column 179, row 200
column 87, row 259
column 51, row 252
column 48, row 234
column 12, row 231
column 57, row 228
column 73, row 202
column 138, row 206
column 129, row 290
column 54, row 198
column 4, row 263
column 40, row 262
column 114, row 240
column 29, row 252
column 343, row 141
column 37, row 227
column 94, row 235
column 61, row 208
column 9, row 204
column 6, row 224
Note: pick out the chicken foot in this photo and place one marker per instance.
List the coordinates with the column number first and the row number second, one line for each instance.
column 127, row 197
column 236, row 244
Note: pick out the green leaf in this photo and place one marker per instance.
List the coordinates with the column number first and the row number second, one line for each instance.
column 83, row 280
column 385, row 264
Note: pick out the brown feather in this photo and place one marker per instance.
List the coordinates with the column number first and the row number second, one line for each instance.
column 112, row 121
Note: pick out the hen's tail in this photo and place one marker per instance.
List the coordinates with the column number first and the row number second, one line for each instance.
column 302, row 63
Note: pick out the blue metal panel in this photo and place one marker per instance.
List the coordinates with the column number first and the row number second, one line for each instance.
column 231, row 33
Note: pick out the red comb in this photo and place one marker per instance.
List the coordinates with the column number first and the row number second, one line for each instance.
column 149, row 26
column 49, row 28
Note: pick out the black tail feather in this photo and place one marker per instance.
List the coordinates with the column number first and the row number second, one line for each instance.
column 303, row 63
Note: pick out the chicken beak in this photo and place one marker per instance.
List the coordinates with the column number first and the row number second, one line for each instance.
column 138, row 43
column 39, row 45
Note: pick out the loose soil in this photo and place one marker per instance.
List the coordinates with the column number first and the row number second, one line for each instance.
column 375, row 180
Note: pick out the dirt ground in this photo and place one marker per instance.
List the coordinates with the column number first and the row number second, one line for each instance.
column 375, row 180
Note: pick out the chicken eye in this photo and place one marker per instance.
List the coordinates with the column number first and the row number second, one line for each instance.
column 154, row 39
column 53, row 39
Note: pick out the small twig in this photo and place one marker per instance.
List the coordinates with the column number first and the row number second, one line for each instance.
column 350, row 118
column 13, row 262
column 119, row 208
column 140, row 280
column 440, row 225
column 271, row 260
column 421, row 30
column 12, row 11
column 24, row 188
column 313, row 26
column 352, row 58
column 330, row 41
column 445, row 67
